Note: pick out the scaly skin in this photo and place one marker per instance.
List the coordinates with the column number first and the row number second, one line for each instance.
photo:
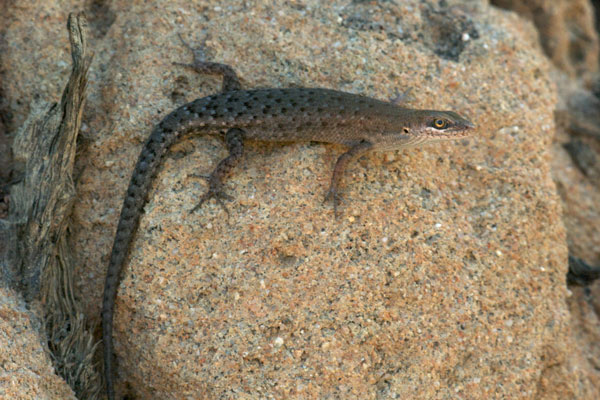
column 279, row 115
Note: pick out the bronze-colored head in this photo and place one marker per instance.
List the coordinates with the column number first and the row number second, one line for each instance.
column 415, row 127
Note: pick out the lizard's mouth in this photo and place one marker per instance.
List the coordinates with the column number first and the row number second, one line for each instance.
column 467, row 125
column 462, row 129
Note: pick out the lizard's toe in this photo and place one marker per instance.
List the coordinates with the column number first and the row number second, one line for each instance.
column 218, row 194
column 202, row 176
column 197, row 51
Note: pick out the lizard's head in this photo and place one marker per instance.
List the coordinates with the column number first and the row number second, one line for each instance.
column 438, row 125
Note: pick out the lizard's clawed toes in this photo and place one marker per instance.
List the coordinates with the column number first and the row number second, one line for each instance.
column 218, row 194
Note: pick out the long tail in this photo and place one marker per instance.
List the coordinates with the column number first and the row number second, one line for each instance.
column 161, row 138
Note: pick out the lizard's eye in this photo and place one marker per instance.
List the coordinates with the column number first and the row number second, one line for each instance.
column 440, row 123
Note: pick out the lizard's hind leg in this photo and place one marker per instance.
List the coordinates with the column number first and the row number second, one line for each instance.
column 234, row 138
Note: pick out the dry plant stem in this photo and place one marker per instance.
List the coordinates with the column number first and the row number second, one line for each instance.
column 37, row 256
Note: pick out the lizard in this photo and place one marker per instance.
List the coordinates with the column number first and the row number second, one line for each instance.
column 360, row 123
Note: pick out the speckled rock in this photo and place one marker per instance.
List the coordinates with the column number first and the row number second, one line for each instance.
column 566, row 31
column 25, row 367
column 445, row 275
column 579, row 191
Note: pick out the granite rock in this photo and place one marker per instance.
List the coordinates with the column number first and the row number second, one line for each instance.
column 445, row 275
column 566, row 31
column 26, row 370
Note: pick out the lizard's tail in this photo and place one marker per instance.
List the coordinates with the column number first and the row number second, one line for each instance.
column 161, row 138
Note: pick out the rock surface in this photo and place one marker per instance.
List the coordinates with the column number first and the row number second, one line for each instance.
column 445, row 276
column 579, row 189
column 566, row 31
column 25, row 368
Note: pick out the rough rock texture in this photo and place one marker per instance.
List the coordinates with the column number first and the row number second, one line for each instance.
column 579, row 184
column 444, row 278
column 566, row 31
column 25, row 369
column 576, row 171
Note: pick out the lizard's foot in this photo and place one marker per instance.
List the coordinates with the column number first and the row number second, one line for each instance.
column 403, row 98
column 201, row 66
column 216, row 193
column 234, row 139
column 334, row 196
column 198, row 53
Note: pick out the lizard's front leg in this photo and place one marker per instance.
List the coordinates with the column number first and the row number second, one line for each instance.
column 340, row 166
